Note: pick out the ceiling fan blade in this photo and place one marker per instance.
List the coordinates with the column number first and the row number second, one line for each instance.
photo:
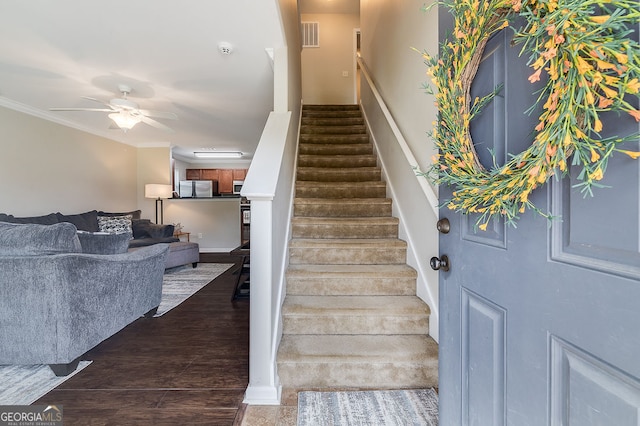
column 156, row 124
column 81, row 109
column 107, row 104
column 159, row 114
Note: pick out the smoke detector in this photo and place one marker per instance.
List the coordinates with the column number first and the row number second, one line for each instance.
column 225, row 48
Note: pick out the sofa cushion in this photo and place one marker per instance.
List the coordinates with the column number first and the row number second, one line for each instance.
column 142, row 242
column 36, row 239
column 104, row 243
column 48, row 219
column 87, row 221
column 143, row 228
column 135, row 214
column 115, row 224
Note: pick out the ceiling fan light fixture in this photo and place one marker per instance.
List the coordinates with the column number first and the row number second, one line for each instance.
column 218, row 154
column 124, row 120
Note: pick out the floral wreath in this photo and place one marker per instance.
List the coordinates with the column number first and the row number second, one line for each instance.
column 592, row 67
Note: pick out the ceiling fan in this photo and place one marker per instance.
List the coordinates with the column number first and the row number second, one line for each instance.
column 125, row 113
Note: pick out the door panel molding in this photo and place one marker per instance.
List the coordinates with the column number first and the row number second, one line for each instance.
column 583, row 390
column 564, row 248
column 483, row 360
column 495, row 235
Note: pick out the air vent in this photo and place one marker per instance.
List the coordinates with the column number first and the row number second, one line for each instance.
column 310, row 34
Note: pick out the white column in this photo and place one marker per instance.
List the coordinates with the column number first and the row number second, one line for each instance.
column 264, row 388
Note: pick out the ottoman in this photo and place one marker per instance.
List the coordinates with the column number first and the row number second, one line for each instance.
column 182, row 253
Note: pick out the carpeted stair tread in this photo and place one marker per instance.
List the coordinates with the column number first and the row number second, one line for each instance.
column 383, row 362
column 355, row 315
column 338, row 251
column 329, row 207
column 332, row 121
column 337, row 161
column 335, row 139
column 352, row 227
column 345, row 280
column 351, row 174
column 341, row 190
column 333, row 130
column 335, row 149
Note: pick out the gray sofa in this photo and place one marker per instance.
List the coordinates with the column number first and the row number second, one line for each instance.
column 57, row 302
column 143, row 232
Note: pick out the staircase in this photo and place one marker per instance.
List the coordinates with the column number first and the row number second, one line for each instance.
column 351, row 318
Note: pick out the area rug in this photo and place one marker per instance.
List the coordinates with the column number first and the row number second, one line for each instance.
column 181, row 283
column 369, row 408
column 24, row 384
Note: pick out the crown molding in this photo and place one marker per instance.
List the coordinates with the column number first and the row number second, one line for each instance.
column 45, row 115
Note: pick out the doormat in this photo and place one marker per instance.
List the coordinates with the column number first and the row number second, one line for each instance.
column 369, row 408
column 181, row 283
column 25, row 384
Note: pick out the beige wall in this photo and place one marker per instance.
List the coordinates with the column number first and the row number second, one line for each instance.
column 46, row 167
column 389, row 31
column 322, row 67
column 153, row 166
column 213, row 223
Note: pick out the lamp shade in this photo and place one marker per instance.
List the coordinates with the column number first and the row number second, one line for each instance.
column 158, row 190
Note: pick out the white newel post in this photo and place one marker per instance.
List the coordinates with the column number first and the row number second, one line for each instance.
column 263, row 388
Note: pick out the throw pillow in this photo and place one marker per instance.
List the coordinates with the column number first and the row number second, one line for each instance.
column 143, row 228
column 104, row 243
column 115, row 224
column 48, row 219
column 87, row 221
column 135, row 214
column 35, row 239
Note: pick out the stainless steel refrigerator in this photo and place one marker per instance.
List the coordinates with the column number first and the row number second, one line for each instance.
column 195, row 189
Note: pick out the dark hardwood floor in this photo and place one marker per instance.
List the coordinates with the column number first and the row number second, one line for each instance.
column 188, row 367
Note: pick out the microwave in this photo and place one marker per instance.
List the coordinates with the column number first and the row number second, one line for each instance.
column 237, row 186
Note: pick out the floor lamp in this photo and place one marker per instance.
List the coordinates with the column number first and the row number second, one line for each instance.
column 158, row 192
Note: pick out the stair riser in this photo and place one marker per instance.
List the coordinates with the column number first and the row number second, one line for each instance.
column 361, row 375
column 331, row 114
column 351, row 286
column 342, row 210
column 347, row 256
column 327, row 190
column 337, row 161
column 344, row 231
column 335, row 139
column 337, row 107
column 341, row 175
column 355, row 324
column 335, row 149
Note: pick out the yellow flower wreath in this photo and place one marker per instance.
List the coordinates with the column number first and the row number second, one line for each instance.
column 592, row 66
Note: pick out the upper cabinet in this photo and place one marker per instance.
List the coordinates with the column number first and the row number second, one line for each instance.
column 193, row 174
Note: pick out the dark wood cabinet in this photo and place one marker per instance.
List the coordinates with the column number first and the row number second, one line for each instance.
column 225, row 177
column 225, row 183
column 239, row 174
column 193, row 174
column 209, row 174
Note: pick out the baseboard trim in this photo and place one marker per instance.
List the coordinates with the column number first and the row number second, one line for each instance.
column 263, row 395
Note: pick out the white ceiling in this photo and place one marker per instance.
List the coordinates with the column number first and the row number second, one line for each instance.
column 54, row 52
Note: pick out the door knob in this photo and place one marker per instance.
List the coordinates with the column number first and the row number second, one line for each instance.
column 443, row 226
column 438, row 263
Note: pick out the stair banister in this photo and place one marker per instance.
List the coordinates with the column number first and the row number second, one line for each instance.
column 268, row 185
column 415, row 201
